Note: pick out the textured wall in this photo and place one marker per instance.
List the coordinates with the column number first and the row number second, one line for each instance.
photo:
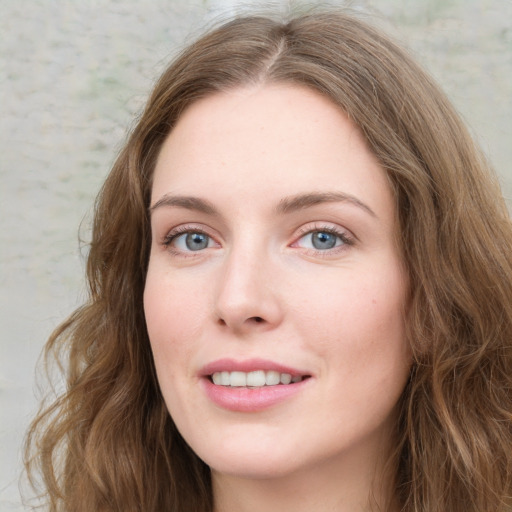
column 72, row 76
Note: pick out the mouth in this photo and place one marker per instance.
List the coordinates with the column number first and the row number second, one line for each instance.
column 254, row 379
column 252, row 385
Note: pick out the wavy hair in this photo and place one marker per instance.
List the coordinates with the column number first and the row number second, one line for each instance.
column 108, row 442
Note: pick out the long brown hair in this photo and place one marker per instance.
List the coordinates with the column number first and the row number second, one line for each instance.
column 108, row 442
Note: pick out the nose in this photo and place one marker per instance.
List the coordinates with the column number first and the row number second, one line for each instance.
column 248, row 293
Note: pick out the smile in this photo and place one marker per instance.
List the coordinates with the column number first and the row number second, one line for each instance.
column 254, row 379
column 252, row 385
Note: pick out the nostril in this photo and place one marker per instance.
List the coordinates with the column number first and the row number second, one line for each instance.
column 234, row 324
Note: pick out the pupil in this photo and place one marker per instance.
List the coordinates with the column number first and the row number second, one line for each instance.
column 323, row 240
column 196, row 241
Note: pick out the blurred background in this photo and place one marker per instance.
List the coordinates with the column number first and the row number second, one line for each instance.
column 74, row 75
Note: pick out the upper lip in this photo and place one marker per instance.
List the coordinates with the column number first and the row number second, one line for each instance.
column 248, row 365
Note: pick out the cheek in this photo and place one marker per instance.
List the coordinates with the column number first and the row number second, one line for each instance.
column 359, row 302
column 172, row 309
column 171, row 321
column 168, row 322
column 175, row 309
column 360, row 324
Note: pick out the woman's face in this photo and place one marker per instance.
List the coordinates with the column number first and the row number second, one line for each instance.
column 275, row 291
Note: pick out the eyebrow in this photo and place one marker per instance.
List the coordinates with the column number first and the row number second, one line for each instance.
column 285, row 205
column 302, row 201
column 187, row 202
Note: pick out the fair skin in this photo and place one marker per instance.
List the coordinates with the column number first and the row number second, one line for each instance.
column 274, row 253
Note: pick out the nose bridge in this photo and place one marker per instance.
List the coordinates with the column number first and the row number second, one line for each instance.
column 246, row 291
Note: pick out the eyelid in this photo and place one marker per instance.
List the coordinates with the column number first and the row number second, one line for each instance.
column 182, row 229
column 347, row 237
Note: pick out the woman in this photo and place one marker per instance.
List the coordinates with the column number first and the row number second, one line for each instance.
column 300, row 288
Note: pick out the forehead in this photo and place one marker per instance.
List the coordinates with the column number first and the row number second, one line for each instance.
column 272, row 141
column 274, row 113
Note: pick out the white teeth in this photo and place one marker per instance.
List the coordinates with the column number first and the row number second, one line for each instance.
column 286, row 378
column 238, row 379
column 272, row 378
column 255, row 379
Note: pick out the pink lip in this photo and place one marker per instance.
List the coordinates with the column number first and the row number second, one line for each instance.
column 247, row 399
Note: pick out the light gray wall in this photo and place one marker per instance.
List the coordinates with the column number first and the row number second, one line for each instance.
column 72, row 76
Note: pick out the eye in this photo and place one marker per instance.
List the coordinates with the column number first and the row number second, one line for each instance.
column 189, row 241
column 323, row 239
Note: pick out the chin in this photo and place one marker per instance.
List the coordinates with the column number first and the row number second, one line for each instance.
column 249, row 458
column 245, row 468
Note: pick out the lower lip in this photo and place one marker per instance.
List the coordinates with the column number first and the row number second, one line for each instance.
column 250, row 399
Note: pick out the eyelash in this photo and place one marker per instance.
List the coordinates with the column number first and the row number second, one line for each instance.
column 177, row 232
column 341, row 234
column 345, row 238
